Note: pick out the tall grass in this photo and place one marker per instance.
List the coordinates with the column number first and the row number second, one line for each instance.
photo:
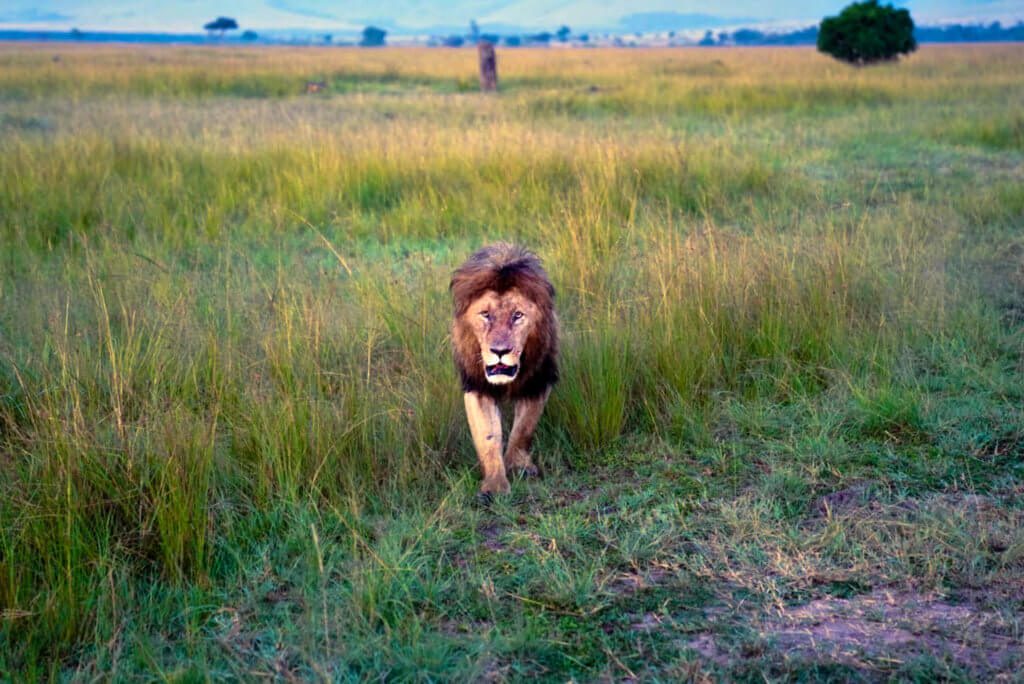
column 185, row 196
column 242, row 306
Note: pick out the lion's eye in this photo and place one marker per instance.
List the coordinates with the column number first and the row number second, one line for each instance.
column 486, row 315
column 517, row 315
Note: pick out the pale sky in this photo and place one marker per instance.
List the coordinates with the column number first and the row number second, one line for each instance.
column 411, row 16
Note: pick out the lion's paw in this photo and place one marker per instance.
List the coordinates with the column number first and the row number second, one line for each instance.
column 498, row 485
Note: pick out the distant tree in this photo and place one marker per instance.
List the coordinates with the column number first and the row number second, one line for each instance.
column 76, row 34
column 492, row 38
column 542, row 37
column 866, row 33
column 708, row 39
column 328, row 37
column 221, row 24
column 563, row 33
column 373, row 37
column 453, row 41
column 250, row 35
column 513, row 41
column 474, row 31
column 583, row 37
column 747, row 37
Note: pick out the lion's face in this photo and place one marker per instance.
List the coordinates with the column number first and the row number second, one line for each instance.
column 502, row 323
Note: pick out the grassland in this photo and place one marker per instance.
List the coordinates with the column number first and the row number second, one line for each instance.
column 789, row 440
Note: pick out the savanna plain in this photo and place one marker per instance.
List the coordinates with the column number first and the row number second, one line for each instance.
column 788, row 443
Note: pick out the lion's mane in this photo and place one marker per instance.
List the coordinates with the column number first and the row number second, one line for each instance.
column 502, row 267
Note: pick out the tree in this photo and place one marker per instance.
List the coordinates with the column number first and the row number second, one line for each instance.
column 708, row 40
column 747, row 37
column 563, row 33
column 373, row 37
column 221, row 24
column 866, row 33
column 250, row 35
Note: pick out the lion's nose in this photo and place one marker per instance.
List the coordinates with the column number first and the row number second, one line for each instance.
column 500, row 351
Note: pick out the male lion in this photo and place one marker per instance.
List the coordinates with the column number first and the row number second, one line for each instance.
column 505, row 340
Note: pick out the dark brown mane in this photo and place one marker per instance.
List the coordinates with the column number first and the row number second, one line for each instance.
column 501, row 267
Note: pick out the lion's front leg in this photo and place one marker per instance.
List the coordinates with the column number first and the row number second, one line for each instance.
column 528, row 413
column 485, row 426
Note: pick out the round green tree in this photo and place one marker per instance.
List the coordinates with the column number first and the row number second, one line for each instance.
column 866, row 33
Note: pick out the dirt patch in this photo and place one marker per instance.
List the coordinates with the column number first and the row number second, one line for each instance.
column 884, row 628
column 999, row 595
column 648, row 622
column 491, row 669
column 885, row 624
column 708, row 649
column 491, row 535
column 842, row 501
column 862, row 504
column 460, row 628
column 627, row 583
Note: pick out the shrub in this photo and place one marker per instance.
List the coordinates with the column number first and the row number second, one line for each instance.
column 866, row 33
column 373, row 37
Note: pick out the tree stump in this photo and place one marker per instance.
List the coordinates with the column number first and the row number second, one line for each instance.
column 488, row 66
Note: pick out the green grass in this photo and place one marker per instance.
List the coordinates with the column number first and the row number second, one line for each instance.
column 1003, row 132
column 231, row 439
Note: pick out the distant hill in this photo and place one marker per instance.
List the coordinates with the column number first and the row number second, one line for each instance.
column 111, row 37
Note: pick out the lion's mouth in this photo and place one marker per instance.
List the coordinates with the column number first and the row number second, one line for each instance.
column 499, row 370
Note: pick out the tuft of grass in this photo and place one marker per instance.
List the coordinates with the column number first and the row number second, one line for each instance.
column 889, row 412
column 592, row 403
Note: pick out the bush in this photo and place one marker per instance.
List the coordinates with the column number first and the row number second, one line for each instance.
column 373, row 37
column 866, row 33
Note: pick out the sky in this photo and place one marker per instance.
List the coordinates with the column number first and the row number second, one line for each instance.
column 440, row 16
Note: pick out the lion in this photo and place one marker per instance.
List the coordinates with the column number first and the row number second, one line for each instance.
column 505, row 344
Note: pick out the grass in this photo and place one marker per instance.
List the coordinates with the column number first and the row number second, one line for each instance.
column 231, row 439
